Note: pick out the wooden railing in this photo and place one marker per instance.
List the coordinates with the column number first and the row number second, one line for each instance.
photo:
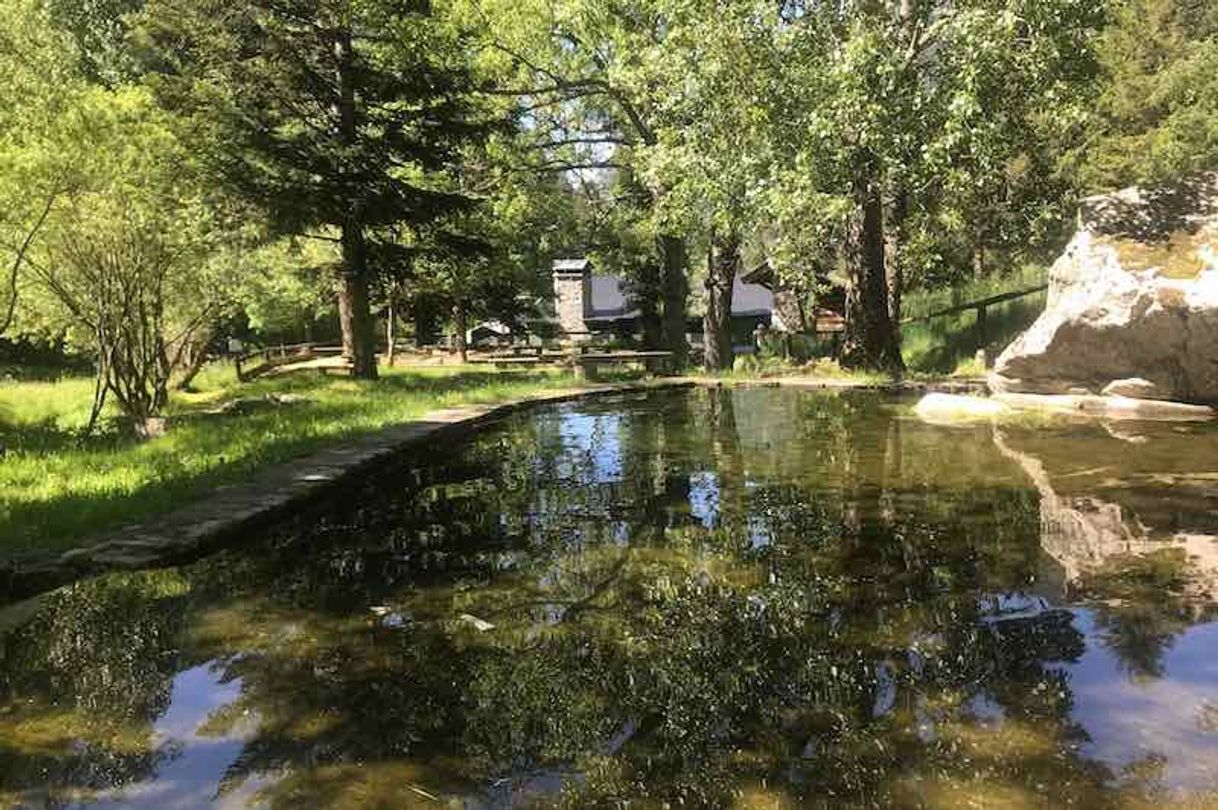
column 980, row 306
column 273, row 356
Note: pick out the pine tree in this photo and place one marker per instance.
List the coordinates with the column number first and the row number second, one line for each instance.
column 335, row 115
column 1158, row 116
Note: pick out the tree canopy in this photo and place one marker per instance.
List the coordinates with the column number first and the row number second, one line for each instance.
column 344, row 157
column 1156, row 119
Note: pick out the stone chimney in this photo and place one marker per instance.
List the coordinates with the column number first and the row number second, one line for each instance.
column 573, row 295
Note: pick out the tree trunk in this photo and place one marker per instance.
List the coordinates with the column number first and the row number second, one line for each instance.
column 424, row 325
column 345, row 316
column 359, row 340
column 196, row 356
column 648, row 299
column 674, row 291
column 459, row 319
column 870, row 340
column 722, row 266
column 390, row 336
column 894, row 257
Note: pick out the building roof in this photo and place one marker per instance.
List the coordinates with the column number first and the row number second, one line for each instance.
column 609, row 297
column 751, row 299
column 571, row 265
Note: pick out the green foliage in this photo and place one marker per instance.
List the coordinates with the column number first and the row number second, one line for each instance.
column 38, row 128
column 99, row 30
column 961, row 104
column 283, row 124
column 1157, row 118
column 287, row 285
column 133, row 261
column 618, row 126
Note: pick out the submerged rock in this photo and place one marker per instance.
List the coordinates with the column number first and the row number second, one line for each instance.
column 1104, row 512
column 947, row 408
column 1106, row 407
column 1133, row 302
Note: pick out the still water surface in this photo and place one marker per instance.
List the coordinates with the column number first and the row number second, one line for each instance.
column 745, row 598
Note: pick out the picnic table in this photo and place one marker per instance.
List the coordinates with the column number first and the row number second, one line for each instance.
column 508, row 361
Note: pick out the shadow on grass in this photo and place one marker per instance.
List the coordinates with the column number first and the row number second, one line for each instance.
column 942, row 344
column 130, row 482
column 47, row 436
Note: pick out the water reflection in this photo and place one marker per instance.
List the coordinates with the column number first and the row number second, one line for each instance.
column 749, row 598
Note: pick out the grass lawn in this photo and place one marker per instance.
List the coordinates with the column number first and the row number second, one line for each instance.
column 948, row 344
column 56, row 492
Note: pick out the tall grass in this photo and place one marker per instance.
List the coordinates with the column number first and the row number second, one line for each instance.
column 56, row 491
column 919, row 303
column 948, row 344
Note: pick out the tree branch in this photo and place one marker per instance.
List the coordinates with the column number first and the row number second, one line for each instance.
column 19, row 259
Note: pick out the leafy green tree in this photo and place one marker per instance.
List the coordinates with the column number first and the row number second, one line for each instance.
column 331, row 113
column 488, row 262
column 288, row 286
column 99, row 29
column 614, row 226
column 713, row 148
column 37, row 129
column 590, row 99
column 134, row 265
column 910, row 113
column 1157, row 117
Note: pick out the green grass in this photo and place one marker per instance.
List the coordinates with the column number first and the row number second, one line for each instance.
column 923, row 302
column 753, row 367
column 57, row 491
column 949, row 344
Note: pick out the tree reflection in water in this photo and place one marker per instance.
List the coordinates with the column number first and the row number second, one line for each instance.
column 721, row 597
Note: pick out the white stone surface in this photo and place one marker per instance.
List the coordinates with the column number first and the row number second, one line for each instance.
column 1105, row 407
column 948, row 408
column 1134, row 387
column 1134, row 295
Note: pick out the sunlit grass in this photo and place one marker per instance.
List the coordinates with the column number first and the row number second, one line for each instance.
column 918, row 303
column 752, row 367
column 56, row 490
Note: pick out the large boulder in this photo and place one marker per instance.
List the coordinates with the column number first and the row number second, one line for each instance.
column 1133, row 302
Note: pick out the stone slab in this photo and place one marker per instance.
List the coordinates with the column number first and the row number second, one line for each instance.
column 1107, row 407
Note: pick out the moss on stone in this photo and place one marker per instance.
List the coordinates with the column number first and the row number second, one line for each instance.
column 1182, row 255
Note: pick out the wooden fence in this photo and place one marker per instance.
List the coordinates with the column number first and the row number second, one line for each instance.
column 980, row 306
column 271, row 357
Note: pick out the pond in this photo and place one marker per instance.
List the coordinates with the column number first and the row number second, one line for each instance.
column 751, row 597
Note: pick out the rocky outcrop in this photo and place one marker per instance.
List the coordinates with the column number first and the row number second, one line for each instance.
column 1133, row 302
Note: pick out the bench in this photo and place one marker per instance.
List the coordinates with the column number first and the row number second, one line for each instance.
column 587, row 364
column 507, row 361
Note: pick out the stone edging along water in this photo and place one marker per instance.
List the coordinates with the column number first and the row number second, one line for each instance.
column 233, row 511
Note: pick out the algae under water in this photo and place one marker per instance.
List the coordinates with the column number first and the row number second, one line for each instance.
column 751, row 597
